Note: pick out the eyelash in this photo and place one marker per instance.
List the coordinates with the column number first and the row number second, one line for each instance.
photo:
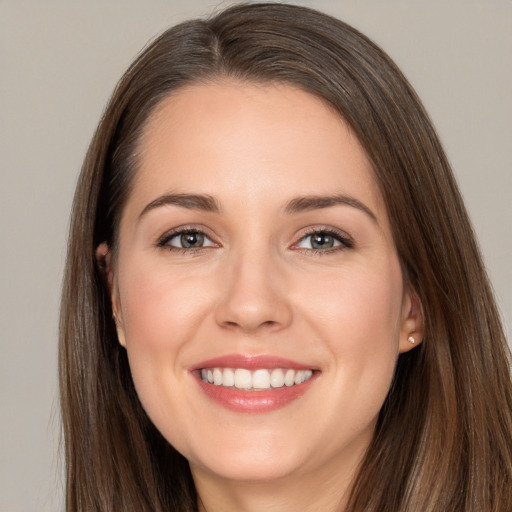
column 345, row 242
column 164, row 241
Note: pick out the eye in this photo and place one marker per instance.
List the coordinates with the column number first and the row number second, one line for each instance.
column 186, row 239
column 324, row 240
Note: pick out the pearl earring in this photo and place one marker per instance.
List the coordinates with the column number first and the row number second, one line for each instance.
column 411, row 339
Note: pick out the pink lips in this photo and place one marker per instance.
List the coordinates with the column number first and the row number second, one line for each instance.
column 250, row 362
column 252, row 401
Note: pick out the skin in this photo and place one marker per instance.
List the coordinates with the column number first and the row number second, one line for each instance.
column 258, row 287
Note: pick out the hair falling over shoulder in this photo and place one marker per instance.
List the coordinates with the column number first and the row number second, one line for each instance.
column 444, row 438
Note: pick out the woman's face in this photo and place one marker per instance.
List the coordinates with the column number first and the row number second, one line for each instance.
column 255, row 250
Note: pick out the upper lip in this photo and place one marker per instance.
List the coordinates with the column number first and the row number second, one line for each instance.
column 251, row 362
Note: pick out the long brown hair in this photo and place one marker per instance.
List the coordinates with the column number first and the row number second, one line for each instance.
column 444, row 437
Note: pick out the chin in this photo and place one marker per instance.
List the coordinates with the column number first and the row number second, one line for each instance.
column 244, row 470
column 256, row 461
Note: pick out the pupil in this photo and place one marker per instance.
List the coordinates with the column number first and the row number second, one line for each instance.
column 192, row 240
column 322, row 241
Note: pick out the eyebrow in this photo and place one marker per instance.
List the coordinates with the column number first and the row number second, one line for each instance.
column 207, row 203
column 201, row 202
column 307, row 203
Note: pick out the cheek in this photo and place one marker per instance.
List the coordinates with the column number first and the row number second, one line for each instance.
column 161, row 311
column 358, row 320
column 161, row 307
column 362, row 304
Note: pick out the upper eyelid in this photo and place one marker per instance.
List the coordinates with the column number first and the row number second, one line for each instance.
column 168, row 235
column 342, row 235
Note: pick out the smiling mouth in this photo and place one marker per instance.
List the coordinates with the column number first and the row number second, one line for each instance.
column 254, row 380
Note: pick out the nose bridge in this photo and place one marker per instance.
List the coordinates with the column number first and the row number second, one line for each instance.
column 253, row 294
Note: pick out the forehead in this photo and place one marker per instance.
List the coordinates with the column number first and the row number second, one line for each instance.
column 250, row 142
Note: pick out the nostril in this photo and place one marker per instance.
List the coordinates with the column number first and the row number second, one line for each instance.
column 268, row 324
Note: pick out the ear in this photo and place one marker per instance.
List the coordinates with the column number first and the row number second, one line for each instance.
column 104, row 260
column 412, row 326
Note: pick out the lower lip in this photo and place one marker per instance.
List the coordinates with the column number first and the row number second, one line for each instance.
column 255, row 401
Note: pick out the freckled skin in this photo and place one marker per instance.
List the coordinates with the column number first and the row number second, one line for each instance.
column 258, row 289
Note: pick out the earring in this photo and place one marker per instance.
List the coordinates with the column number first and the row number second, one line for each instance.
column 411, row 339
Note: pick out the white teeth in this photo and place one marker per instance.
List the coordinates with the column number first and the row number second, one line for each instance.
column 260, row 379
column 217, row 376
column 243, row 379
column 299, row 377
column 277, row 378
column 228, row 377
column 289, row 378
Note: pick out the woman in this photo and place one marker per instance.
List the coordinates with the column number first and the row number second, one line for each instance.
column 273, row 298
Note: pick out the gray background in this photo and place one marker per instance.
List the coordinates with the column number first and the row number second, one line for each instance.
column 59, row 62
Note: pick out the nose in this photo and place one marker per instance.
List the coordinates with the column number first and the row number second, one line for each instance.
column 253, row 296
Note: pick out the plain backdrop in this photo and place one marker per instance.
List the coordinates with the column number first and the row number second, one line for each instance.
column 59, row 61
